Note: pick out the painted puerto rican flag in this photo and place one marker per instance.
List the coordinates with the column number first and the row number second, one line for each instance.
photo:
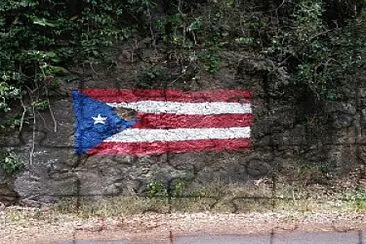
column 144, row 122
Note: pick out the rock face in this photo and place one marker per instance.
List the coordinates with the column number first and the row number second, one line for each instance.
column 285, row 133
column 7, row 195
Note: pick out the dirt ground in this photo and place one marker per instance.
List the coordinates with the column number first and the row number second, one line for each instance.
column 30, row 226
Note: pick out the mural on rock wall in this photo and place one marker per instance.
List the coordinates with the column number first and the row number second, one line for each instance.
column 144, row 122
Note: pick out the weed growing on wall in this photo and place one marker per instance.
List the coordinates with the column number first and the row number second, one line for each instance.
column 149, row 77
column 10, row 163
column 156, row 189
column 357, row 199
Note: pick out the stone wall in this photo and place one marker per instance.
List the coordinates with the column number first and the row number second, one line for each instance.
column 286, row 135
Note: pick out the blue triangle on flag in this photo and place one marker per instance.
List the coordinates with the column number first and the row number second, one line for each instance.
column 95, row 122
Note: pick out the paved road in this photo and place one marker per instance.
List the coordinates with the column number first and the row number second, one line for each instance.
column 286, row 238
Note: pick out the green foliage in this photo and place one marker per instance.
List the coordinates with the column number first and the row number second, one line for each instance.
column 40, row 104
column 10, row 163
column 211, row 59
column 149, row 76
column 315, row 55
column 313, row 43
column 160, row 190
column 156, row 189
column 7, row 92
column 178, row 188
column 244, row 40
column 357, row 199
column 40, row 39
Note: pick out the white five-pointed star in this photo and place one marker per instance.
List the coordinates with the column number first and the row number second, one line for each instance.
column 99, row 119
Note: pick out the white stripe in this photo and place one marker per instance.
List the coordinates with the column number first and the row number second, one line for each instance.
column 186, row 108
column 181, row 134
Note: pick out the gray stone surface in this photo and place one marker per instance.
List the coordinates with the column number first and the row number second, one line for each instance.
column 7, row 194
column 285, row 131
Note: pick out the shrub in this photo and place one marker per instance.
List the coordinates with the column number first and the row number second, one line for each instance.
column 10, row 163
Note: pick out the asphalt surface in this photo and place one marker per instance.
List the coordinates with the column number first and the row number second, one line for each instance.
column 283, row 238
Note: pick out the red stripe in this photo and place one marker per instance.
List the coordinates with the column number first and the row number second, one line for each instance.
column 147, row 148
column 221, row 95
column 167, row 121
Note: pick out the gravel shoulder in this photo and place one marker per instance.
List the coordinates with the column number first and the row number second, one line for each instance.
column 22, row 228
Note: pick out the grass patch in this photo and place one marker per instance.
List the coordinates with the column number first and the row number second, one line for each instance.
column 356, row 199
column 215, row 198
column 220, row 198
column 111, row 206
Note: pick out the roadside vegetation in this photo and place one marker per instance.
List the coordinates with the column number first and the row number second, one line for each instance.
column 254, row 197
column 309, row 45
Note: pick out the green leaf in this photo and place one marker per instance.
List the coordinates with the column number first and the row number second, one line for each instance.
column 27, row 3
column 57, row 70
column 44, row 22
column 195, row 25
column 244, row 40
